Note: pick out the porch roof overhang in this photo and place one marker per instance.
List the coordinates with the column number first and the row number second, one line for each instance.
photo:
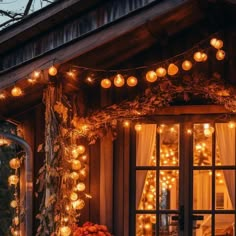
column 131, row 35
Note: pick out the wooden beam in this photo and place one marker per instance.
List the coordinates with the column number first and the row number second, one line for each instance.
column 193, row 109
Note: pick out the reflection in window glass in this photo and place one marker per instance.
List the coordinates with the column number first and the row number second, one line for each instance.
column 145, row 224
column 168, row 189
column 202, row 147
column 168, row 224
column 225, row 189
column 145, row 190
column 224, row 224
column 202, row 189
column 202, row 225
column 169, row 145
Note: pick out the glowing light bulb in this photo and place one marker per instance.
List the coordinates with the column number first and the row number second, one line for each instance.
column 204, row 56
column 71, row 74
column 81, row 187
column 76, row 165
column 172, row 69
column 13, row 204
column 65, row 231
column 220, row 55
column 84, row 157
column 132, row 81
column 52, row 71
column 231, row 124
column 216, row 43
column 78, row 204
column 126, row 123
column 73, row 196
column 74, row 175
column 161, row 72
column 213, row 42
column 187, row 65
column 81, row 149
column 151, row 76
column 14, row 163
column 36, row 74
column 189, row 131
column 197, row 56
column 119, row 80
column 138, row 127
column 16, row 91
column 2, row 96
column 13, row 180
column 106, row 83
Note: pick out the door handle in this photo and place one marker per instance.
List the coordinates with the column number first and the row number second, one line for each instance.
column 197, row 217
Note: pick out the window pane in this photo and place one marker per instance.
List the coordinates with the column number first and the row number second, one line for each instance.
column 146, row 145
column 145, row 225
column 225, row 189
column 224, row 224
column 202, row 225
column 225, row 144
column 169, row 145
column 202, row 189
column 145, row 190
column 169, row 189
column 202, row 148
column 168, row 224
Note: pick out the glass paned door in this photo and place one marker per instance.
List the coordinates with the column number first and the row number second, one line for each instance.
column 213, row 179
column 157, row 180
column 185, row 180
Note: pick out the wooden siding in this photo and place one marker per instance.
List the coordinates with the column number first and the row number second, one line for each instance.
column 87, row 22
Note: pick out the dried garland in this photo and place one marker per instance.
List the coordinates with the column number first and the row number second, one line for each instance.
column 213, row 91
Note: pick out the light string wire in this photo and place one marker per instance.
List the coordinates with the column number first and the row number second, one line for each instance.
column 198, row 46
column 175, row 59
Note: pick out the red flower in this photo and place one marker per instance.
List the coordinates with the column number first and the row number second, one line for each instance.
column 91, row 229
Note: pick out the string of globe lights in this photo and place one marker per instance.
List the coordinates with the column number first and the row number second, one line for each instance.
column 16, row 205
column 164, row 68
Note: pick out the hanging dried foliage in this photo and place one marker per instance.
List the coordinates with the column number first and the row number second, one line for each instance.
column 163, row 94
column 63, row 129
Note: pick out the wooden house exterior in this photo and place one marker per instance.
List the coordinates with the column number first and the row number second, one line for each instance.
column 160, row 155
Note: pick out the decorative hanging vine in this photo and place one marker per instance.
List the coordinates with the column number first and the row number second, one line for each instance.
column 163, row 94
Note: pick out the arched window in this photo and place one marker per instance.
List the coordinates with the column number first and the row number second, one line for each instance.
column 25, row 182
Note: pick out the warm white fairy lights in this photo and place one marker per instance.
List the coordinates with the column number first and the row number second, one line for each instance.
column 73, row 188
column 165, row 69
column 14, row 182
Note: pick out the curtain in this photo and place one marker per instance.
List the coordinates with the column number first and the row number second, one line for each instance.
column 225, row 138
column 145, row 143
column 106, row 180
